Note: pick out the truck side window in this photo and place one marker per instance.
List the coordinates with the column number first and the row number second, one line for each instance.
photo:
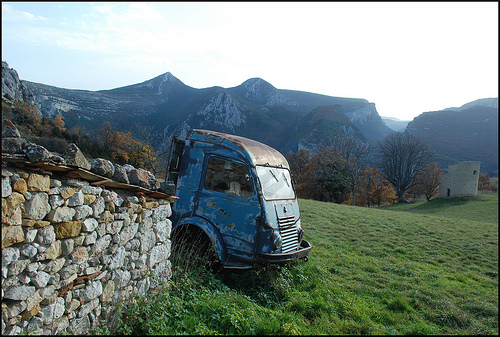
column 228, row 177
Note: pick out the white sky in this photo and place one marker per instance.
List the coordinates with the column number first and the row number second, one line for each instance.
column 406, row 57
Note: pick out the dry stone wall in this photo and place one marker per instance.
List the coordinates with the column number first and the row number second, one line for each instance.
column 73, row 249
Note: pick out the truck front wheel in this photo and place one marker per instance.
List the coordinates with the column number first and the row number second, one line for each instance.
column 192, row 248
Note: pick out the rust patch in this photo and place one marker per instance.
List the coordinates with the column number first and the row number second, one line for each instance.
column 230, row 226
column 223, row 211
column 210, row 204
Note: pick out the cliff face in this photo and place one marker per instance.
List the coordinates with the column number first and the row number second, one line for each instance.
column 13, row 88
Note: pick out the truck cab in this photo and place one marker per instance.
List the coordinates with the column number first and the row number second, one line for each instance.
column 239, row 194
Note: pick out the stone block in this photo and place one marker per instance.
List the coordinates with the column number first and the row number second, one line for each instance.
column 30, row 313
column 46, row 235
column 53, row 311
column 76, row 199
column 19, row 293
column 37, row 207
column 82, row 212
column 38, row 183
column 10, row 255
column 72, row 305
column 56, row 200
column 54, row 251
column 158, row 254
column 68, row 229
column 117, row 259
column 102, row 167
column 120, row 174
column 80, row 254
column 11, row 235
column 12, row 217
column 20, row 186
column 101, row 244
column 28, row 223
column 36, row 152
column 41, row 279
column 67, row 192
column 67, row 246
column 42, row 224
column 89, row 199
column 92, row 290
column 14, row 200
column 98, row 206
column 74, row 157
column 139, row 177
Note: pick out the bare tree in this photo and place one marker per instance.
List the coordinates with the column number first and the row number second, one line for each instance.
column 401, row 157
column 354, row 154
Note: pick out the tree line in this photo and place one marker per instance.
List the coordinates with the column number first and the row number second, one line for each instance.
column 352, row 172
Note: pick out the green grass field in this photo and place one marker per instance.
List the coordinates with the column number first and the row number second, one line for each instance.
column 428, row 268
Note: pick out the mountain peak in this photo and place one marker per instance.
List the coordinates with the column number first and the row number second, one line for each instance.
column 256, row 82
column 168, row 77
column 262, row 92
column 158, row 86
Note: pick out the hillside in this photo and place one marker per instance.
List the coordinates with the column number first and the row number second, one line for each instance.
column 254, row 109
column 461, row 134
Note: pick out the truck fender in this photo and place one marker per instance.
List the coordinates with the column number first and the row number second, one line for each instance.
column 210, row 230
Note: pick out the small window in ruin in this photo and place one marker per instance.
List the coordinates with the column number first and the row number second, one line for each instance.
column 474, row 172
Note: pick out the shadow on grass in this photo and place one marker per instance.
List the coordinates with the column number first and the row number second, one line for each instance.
column 264, row 285
column 438, row 203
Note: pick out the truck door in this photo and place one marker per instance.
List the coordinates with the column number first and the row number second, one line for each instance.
column 227, row 198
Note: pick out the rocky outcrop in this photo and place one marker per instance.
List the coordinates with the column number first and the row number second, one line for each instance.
column 13, row 88
column 222, row 111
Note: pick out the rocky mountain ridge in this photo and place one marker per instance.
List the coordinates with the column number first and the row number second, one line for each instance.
column 254, row 109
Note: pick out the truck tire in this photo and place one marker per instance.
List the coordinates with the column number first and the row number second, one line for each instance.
column 192, row 248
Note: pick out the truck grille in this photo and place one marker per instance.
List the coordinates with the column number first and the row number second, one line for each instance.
column 288, row 233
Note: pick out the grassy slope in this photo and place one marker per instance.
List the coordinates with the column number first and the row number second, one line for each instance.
column 410, row 268
column 428, row 268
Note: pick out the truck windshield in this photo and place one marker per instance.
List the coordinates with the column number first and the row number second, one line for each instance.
column 276, row 183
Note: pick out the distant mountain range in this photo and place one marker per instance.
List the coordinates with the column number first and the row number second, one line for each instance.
column 284, row 119
column 254, row 109
column 395, row 123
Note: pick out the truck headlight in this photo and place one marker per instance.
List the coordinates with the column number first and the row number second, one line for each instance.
column 277, row 240
column 301, row 235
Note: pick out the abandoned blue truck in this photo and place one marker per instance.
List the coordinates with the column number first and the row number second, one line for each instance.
column 237, row 195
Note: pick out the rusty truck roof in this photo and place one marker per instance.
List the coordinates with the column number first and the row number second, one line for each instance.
column 258, row 153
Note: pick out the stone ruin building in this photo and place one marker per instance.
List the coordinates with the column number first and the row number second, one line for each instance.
column 461, row 180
